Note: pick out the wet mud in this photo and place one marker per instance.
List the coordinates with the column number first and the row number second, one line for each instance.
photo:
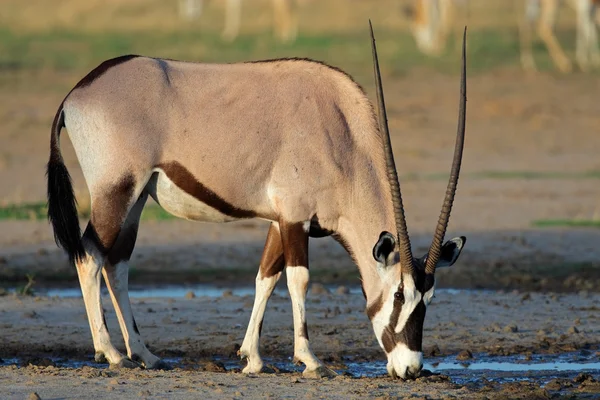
column 478, row 344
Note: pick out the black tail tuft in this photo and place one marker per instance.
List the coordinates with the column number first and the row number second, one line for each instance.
column 62, row 206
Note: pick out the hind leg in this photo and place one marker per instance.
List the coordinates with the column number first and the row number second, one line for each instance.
column 271, row 266
column 110, row 207
column 116, row 276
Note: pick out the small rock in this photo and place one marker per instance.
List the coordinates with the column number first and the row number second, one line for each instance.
column 318, row 289
column 577, row 321
column 342, row 290
column 238, row 394
column 584, row 377
column 573, row 330
column 511, row 328
column 37, row 361
column 554, row 384
column 144, row 393
column 113, row 382
column 433, row 351
column 34, row 396
column 295, row 379
column 213, row 366
column 190, row 295
column 227, row 294
column 30, row 314
column 526, row 296
column 464, row 355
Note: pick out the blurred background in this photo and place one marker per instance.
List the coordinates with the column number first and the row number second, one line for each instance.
column 528, row 200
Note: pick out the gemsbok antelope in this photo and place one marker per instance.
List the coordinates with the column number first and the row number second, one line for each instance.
column 284, row 17
column 292, row 141
column 587, row 52
column 432, row 21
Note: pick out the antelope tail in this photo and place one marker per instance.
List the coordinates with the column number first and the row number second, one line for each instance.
column 62, row 206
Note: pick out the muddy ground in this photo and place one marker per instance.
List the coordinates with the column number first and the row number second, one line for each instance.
column 199, row 330
column 531, row 154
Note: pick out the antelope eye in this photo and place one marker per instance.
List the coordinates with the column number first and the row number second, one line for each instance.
column 399, row 296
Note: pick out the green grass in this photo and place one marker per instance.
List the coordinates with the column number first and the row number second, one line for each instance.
column 39, row 211
column 566, row 223
column 64, row 50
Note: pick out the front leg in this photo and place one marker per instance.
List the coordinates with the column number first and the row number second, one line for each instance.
column 295, row 249
column 271, row 266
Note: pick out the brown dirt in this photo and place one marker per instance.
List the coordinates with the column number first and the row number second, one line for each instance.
column 201, row 328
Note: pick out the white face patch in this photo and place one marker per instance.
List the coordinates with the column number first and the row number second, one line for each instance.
column 412, row 297
column 403, row 362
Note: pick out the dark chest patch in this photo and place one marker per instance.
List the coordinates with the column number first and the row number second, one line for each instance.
column 184, row 180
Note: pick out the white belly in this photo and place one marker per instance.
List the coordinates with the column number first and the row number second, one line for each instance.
column 181, row 204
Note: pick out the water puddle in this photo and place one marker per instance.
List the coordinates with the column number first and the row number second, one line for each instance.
column 541, row 368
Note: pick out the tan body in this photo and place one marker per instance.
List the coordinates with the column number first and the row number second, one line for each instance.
column 211, row 117
column 285, row 20
column 290, row 141
column 295, row 142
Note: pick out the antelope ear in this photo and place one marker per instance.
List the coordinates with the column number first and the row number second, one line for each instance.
column 450, row 251
column 384, row 246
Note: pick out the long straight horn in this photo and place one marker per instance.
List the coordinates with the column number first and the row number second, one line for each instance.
column 440, row 230
column 406, row 258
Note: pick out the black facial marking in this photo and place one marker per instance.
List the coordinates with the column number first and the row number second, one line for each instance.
column 389, row 338
column 412, row 333
column 260, row 328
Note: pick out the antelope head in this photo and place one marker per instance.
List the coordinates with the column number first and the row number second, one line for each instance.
column 408, row 283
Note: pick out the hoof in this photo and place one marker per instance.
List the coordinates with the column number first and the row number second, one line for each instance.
column 253, row 369
column 100, row 358
column 318, row 373
column 125, row 363
column 160, row 364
